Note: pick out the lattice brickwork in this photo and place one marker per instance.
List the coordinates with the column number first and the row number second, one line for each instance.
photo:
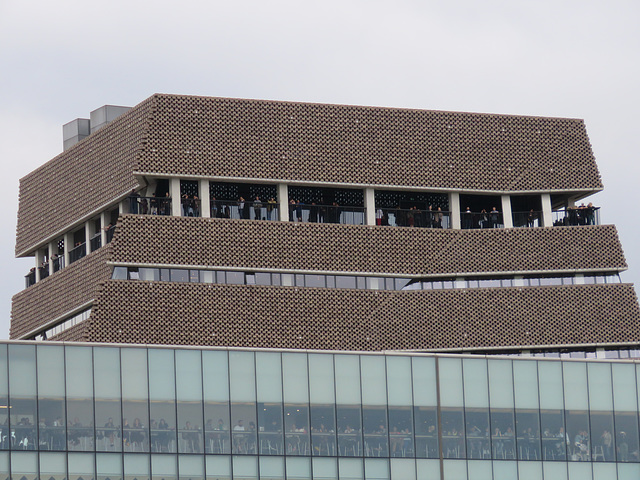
column 288, row 317
column 258, row 244
column 59, row 293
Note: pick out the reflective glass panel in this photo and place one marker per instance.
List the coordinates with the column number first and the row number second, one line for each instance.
column 22, row 401
column 80, row 418
column 216, row 401
column 108, row 411
column 269, row 396
column 189, row 397
column 135, row 398
column 162, row 404
column 51, row 404
column 322, row 409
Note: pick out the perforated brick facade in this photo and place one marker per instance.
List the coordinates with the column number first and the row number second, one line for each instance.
column 60, row 293
column 289, row 317
column 302, row 142
column 353, row 248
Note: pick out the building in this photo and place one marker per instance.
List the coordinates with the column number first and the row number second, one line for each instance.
column 244, row 225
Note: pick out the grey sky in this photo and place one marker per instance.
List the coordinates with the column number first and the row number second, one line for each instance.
column 60, row 60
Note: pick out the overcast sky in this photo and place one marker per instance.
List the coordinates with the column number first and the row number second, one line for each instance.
column 60, row 60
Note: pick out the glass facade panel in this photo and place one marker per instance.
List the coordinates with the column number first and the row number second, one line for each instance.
column 425, row 411
column 601, row 412
column 80, row 466
column 22, row 400
column 296, row 403
column 479, row 470
column 269, row 396
column 108, row 411
column 218, row 467
column 476, row 397
column 324, row 468
column 525, row 383
column 576, row 397
column 191, row 467
column 529, row 470
column 189, row 398
column 348, row 408
column 163, row 467
column 322, row 404
column 428, row 469
column 245, row 468
column 79, row 384
column 24, row 465
column 162, row 405
column 374, row 411
column 298, row 468
column 501, row 397
column 136, row 467
column 135, row 400
column 53, row 466
column 625, row 412
column 378, row 469
column 350, row 469
column 243, row 401
column 454, row 469
column 109, row 466
column 51, row 398
column 271, row 468
column 4, row 400
column 216, row 401
column 555, row 439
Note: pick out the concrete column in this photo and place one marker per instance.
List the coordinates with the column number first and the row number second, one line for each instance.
column 507, row 217
column 123, row 206
column 283, row 202
column 547, row 215
column 88, row 233
column 205, row 198
column 38, row 258
column 454, row 207
column 53, row 249
column 103, row 232
column 174, row 193
column 370, row 206
column 68, row 245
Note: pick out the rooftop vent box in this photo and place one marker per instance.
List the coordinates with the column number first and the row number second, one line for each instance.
column 105, row 114
column 74, row 131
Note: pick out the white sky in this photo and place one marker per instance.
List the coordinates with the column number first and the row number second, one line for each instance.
column 60, row 60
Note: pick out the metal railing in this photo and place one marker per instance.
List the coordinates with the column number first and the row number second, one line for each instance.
column 310, row 213
column 30, row 278
column 110, row 231
column 96, row 242
column 190, row 207
column 150, row 205
column 483, row 219
column 529, row 219
column 412, row 217
column 582, row 215
column 77, row 252
column 244, row 210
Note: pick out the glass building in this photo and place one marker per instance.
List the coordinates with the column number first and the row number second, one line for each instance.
column 112, row 412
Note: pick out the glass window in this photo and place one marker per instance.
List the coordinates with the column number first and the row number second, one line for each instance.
column 191, row 467
column 296, row 403
column 263, row 278
column 119, row 273
column 51, row 402
column 269, row 396
column 208, row 276
column 350, row 469
column 108, row 411
column 424, row 399
column 299, row 279
column 80, row 417
column 322, row 398
column 343, row 281
column 625, row 412
column 243, row 402
column 135, row 395
column 22, row 402
column 331, row 281
column 235, row 278
column 276, row 280
column 194, row 276
column 163, row 467
column 315, row 280
column 109, row 466
column 298, row 468
column 150, row 274
column 525, row 379
column 555, row 439
column 179, row 275
column 452, row 415
column 374, row 412
column 80, row 465
column 378, row 469
column 216, row 398
column 349, row 415
column 136, row 466
column 218, row 467
column 189, row 396
column 162, row 405
column 503, row 427
column 165, row 274
column 576, row 409
column 602, row 439
column 52, row 466
column 287, row 279
column 245, row 468
column 271, row 468
column 325, row 468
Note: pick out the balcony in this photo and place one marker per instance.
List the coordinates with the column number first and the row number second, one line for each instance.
column 79, row 251
column 413, row 217
column 483, row 219
column 582, row 215
column 150, row 205
column 528, row 219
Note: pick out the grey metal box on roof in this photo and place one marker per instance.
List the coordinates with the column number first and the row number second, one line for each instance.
column 105, row 114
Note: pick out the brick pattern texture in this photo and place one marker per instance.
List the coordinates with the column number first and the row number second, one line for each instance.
column 289, row 317
column 253, row 139
column 355, row 248
column 60, row 293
